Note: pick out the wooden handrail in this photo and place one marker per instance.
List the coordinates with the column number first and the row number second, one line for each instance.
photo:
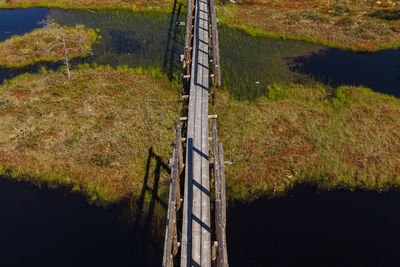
column 171, row 244
column 215, row 47
column 220, row 198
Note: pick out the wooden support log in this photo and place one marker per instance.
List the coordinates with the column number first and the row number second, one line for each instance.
column 171, row 244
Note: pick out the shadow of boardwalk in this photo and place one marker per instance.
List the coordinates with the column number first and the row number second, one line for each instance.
column 52, row 227
column 316, row 228
column 148, row 204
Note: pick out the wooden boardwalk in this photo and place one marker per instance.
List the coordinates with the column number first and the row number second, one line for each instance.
column 196, row 217
column 196, row 247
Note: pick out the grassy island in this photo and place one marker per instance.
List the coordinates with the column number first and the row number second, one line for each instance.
column 102, row 132
column 47, row 45
column 347, row 138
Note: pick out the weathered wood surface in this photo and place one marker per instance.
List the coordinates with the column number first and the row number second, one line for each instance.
column 188, row 36
column 196, row 233
column 171, row 235
column 224, row 257
column 220, row 198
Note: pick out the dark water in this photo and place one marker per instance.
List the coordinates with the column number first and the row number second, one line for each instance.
column 20, row 21
column 378, row 71
column 44, row 227
column 316, row 228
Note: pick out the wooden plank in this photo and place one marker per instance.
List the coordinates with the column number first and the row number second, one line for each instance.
column 197, row 201
column 186, row 246
column 178, row 144
column 205, row 182
column 223, row 204
column 217, row 207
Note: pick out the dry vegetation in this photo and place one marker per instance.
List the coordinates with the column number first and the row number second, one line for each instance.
column 93, row 132
column 44, row 45
column 83, row 4
column 346, row 139
column 365, row 25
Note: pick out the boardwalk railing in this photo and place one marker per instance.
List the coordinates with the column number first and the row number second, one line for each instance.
column 188, row 38
column 171, row 244
column 220, row 247
column 215, row 49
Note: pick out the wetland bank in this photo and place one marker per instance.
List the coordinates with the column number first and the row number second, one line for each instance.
column 282, row 124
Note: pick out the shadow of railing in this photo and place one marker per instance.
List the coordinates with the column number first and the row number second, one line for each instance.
column 170, row 57
column 145, row 210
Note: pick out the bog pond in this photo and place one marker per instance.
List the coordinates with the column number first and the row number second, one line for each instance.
column 308, row 227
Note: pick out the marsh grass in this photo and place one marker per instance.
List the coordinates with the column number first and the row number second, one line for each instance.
column 346, row 24
column 92, row 133
column 40, row 45
column 343, row 138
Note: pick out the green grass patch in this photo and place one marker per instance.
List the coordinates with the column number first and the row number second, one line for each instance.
column 348, row 138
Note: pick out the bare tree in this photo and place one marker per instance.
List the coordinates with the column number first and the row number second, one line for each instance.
column 67, row 43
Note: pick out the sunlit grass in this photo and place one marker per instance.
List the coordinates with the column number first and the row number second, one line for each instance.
column 352, row 25
column 349, row 138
